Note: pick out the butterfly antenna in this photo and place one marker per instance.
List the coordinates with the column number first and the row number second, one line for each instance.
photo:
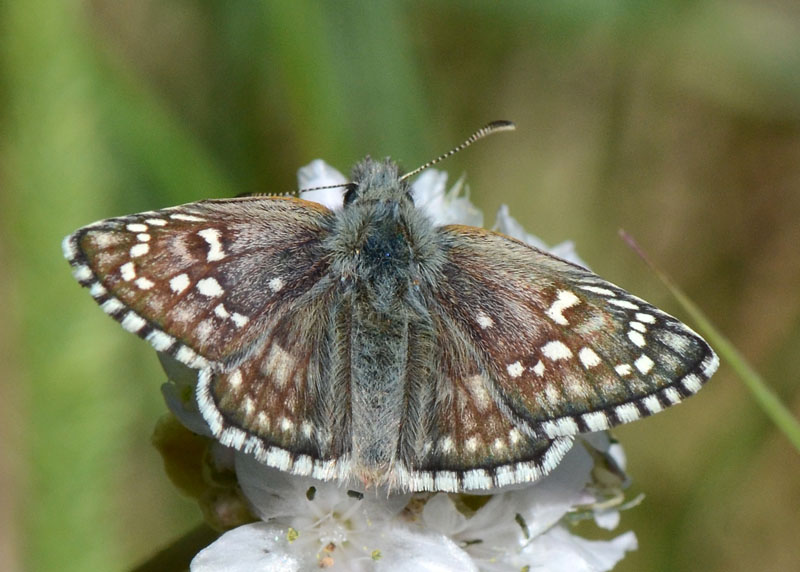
column 325, row 187
column 295, row 193
column 492, row 127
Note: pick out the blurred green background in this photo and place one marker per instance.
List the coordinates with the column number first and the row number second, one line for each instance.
column 677, row 120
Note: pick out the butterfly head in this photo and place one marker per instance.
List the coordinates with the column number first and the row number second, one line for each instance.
column 377, row 182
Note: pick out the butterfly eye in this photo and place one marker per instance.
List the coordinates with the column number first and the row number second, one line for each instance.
column 350, row 193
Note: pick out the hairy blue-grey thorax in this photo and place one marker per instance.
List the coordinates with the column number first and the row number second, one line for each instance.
column 385, row 254
column 381, row 242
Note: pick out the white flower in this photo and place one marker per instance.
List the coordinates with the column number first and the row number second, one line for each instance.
column 306, row 524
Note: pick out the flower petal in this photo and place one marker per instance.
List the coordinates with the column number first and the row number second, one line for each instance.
column 259, row 546
column 560, row 551
column 319, row 174
column 442, row 206
column 422, row 552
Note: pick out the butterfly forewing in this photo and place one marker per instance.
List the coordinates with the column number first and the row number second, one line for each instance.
column 566, row 351
column 199, row 280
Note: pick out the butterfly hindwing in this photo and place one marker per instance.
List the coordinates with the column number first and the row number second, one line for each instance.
column 281, row 403
column 565, row 351
column 473, row 441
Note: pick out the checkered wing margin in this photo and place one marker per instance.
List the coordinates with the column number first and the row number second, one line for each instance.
column 560, row 350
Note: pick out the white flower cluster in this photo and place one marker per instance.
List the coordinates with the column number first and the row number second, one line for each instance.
column 305, row 524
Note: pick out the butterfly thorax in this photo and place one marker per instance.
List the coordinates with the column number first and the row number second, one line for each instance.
column 381, row 253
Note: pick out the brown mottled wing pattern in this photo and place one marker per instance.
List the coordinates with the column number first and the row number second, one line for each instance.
column 473, row 441
column 563, row 350
column 238, row 289
column 534, row 350
column 193, row 279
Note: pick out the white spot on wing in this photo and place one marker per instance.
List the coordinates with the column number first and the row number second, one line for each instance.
column 137, row 227
column 209, row 287
column 677, row 342
column 156, row 221
column 556, row 350
column 221, row 312
column 235, row 378
column 128, row 271
column 447, row 445
column 646, row 318
column 212, row 237
column 186, row 217
column 276, row 284
column 597, row 290
column 280, row 364
column 515, row 369
column 637, row 338
column 484, row 321
column 538, row 369
column 644, row 364
column 477, row 387
column 564, row 300
column 589, row 358
column 624, row 304
column 239, row 320
column 144, row 284
column 638, row 326
column 143, row 237
column 623, row 369
column 139, row 249
column 179, row 283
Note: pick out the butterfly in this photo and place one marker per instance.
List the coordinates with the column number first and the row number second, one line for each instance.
column 368, row 344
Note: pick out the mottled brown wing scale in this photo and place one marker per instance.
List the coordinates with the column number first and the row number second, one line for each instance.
column 191, row 279
column 282, row 404
column 474, row 441
column 566, row 351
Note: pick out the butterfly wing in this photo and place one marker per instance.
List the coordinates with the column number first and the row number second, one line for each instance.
column 565, row 351
column 198, row 280
column 464, row 436
column 532, row 350
column 238, row 289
